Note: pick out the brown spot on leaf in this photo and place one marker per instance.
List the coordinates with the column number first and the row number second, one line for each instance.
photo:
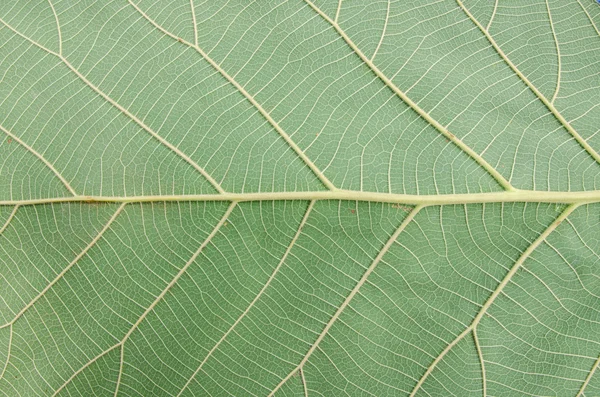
column 404, row 208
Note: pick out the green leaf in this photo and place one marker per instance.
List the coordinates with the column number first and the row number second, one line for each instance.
column 298, row 198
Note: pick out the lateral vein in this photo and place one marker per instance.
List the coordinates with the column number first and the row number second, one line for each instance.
column 121, row 343
column 80, row 370
column 441, row 129
column 481, row 362
column 41, row 158
column 256, row 298
column 70, row 265
column 351, row 295
column 318, row 173
column 588, row 377
column 126, row 112
column 10, row 217
column 57, row 27
column 518, row 264
column 582, row 142
column 181, row 272
column 139, row 122
column 10, row 336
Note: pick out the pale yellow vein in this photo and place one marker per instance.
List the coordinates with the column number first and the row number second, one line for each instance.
column 10, row 336
column 589, row 17
column 174, row 281
column 71, row 264
column 522, row 196
column 499, row 289
column 582, row 142
column 337, row 11
column 304, row 385
column 41, row 158
column 194, row 22
column 481, row 362
column 126, row 112
column 434, row 123
column 121, row 343
column 350, row 296
column 318, row 173
column 57, row 27
column 10, row 217
column 256, row 298
column 493, row 15
column 588, row 377
column 80, row 370
column 385, row 24
column 558, row 58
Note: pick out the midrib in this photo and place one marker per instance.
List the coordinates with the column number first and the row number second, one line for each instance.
column 339, row 194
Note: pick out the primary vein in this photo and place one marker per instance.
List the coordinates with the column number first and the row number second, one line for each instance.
column 524, row 196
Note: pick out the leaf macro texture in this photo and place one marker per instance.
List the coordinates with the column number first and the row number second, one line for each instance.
column 299, row 198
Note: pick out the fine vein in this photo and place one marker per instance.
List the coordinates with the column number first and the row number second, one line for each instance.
column 194, row 22
column 318, row 173
column 481, row 362
column 10, row 336
column 518, row 264
column 442, row 130
column 558, row 58
column 351, row 295
column 489, row 25
column 337, row 11
column 41, row 158
column 57, row 27
column 304, row 385
column 256, row 298
column 586, row 146
column 589, row 17
column 385, row 24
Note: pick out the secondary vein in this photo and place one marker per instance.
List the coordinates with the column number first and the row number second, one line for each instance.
column 507, row 278
column 126, row 112
column 318, row 173
column 421, row 112
column 582, row 142
column 350, row 296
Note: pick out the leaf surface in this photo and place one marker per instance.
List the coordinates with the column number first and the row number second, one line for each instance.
column 297, row 198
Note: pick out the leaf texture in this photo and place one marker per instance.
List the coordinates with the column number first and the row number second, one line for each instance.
column 299, row 198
